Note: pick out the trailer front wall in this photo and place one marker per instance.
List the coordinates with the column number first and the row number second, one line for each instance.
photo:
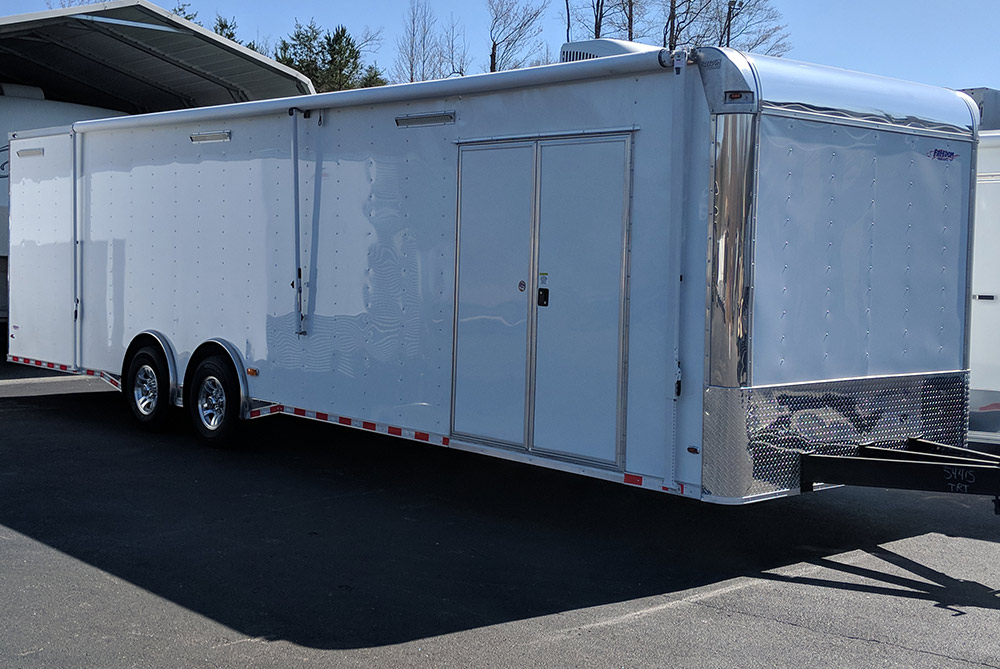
column 838, row 268
column 860, row 250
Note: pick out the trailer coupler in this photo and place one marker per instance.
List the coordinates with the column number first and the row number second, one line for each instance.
column 920, row 465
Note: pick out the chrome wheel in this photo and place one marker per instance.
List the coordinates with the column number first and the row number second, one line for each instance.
column 146, row 387
column 211, row 403
column 146, row 390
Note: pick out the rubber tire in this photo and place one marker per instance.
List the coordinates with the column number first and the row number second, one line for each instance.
column 152, row 358
column 224, row 432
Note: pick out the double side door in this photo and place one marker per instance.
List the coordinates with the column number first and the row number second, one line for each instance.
column 539, row 346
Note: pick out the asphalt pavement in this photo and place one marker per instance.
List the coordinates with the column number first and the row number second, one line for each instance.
column 316, row 545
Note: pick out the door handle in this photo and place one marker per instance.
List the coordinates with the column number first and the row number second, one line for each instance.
column 543, row 297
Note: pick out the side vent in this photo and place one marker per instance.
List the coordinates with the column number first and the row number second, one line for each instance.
column 432, row 118
column 568, row 56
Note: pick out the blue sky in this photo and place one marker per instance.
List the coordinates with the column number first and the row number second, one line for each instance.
column 929, row 41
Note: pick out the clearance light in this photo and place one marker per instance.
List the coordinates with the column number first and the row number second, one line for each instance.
column 739, row 96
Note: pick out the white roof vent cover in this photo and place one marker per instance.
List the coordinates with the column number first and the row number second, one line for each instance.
column 598, row 48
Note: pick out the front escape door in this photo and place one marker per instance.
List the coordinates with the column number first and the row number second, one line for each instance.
column 541, row 283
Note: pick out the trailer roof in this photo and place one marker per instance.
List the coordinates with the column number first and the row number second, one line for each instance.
column 135, row 57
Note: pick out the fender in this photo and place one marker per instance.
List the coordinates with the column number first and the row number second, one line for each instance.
column 241, row 373
column 176, row 394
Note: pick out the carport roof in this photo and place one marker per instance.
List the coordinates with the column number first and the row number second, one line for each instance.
column 135, row 57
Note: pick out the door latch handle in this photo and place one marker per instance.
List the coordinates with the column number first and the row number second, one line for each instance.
column 543, row 297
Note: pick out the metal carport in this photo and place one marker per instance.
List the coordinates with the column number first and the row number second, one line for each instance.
column 135, row 57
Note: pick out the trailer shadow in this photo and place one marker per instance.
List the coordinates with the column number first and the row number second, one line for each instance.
column 333, row 538
column 928, row 585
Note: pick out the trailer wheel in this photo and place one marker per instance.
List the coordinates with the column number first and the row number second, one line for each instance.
column 147, row 387
column 214, row 401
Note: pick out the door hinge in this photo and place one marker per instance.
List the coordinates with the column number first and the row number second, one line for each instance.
column 677, row 382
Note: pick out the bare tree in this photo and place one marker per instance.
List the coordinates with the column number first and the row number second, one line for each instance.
column 454, row 49
column 369, row 41
column 544, row 57
column 748, row 25
column 62, row 4
column 632, row 20
column 686, row 23
column 590, row 15
column 598, row 11
column 625, row 11
column 514, row 31
column 418, row 52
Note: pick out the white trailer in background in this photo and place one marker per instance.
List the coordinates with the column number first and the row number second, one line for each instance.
column 984, row 380
column 691, row 275
column 24, row 107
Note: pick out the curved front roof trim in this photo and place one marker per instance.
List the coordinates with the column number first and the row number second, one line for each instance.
column 780, row 83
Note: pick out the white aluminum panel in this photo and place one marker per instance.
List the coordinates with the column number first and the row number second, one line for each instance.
column 378, row 212
column 42, row 249
column 494, row 291
column 578, row 341
column 859, row 253
column 922, row 225
column 193, row 239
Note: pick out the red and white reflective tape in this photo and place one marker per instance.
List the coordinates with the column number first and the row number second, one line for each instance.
column 371, row 426
column 105, row 376
column 652, row 483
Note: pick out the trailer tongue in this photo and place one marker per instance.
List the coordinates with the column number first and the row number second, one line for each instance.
column 919, row 465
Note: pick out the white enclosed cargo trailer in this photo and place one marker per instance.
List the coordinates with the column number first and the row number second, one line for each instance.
column 678, row 273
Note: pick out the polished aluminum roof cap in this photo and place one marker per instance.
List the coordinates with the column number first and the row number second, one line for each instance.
column 791, row 84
